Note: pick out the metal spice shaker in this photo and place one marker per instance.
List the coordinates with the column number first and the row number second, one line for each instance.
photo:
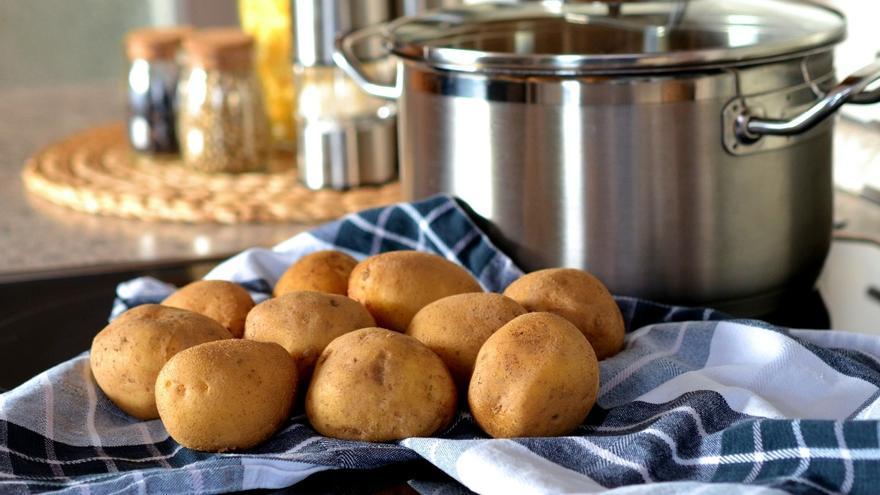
column 222, row 122
column 345, row 137
column 153, row 71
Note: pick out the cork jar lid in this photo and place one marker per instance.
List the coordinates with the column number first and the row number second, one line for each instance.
column 220, row 48
column 155, row 43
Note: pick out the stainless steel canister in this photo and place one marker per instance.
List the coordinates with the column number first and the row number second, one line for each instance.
column 679, row 151
column 345, row 137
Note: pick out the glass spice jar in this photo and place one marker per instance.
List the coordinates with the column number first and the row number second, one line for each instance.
column 222, row 123
column 153, row 72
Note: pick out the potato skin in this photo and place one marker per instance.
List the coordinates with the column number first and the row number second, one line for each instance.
column 304, row 323
column 225, row 302
column 394, row 286
column 537, row 376
column 127, row 354
column 578, row 297
column 377, row 385
column 226, row 395
column 321, row 271
column 455, row 328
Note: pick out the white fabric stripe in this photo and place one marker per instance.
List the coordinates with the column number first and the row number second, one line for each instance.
column 630, row 370
column 197, row 479
column 673, row 447
column 759, row 452
column 381, row 221
column 639, row 333
column 868, row 454
column 616, row 459
column 847, row 484
column 49, row 392
column 106, row 478
column 304, row 242
column 262, row 473
column 870, row 409
column 92, row 404
column 803, row 450
column 764, row 373
column 368, row 227
column 815, row 486
column 505, row 467
column 151, row 446
column 302, row 445
column 480, row 276
column 284, row 456
column 839, row 339
column 669, row 314
column 634, row 426
column 139, row 482
column 464, row 242
column 490, row 264
column 279, row 476
column 58, row 462
column 429, row 232
column 103, row 478
column 436, row 212
column 425, row 224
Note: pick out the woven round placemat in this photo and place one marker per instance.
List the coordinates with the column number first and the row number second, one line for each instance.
column 95, row 172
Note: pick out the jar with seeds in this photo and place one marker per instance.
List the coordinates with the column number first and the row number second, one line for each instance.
column 222, row 123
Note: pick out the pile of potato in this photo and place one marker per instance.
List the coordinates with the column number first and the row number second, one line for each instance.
column 384, row 349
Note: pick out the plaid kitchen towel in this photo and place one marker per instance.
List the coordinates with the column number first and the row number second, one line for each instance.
column 695, row 402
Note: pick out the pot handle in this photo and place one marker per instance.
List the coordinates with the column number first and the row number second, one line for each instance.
column 853, row 89
column 347, row 60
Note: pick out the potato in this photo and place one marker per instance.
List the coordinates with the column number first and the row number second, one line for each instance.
column 225, row 302
column 455, row 328
column 578, row 297
column 377, row 385
column 394, row 286
column 321, row 271
column 537, row 376
column 128, row 353
column 304, row 323
column 226, row 395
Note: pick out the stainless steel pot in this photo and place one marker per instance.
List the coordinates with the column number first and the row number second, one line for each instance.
column 679, row 151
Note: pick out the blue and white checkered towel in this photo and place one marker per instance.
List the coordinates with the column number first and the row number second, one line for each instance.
column 694, row 402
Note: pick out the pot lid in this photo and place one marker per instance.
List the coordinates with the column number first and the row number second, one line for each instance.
column 608, row 36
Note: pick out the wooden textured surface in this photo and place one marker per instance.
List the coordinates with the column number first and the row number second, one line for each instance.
column 94, row 171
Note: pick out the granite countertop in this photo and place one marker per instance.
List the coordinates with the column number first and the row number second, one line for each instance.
column 40, row 240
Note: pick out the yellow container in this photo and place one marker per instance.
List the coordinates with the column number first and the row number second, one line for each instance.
column 268, row 21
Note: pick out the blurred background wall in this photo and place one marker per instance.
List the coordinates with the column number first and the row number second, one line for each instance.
column 48, row 42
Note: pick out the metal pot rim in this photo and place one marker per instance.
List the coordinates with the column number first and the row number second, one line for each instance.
column 441, row 38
